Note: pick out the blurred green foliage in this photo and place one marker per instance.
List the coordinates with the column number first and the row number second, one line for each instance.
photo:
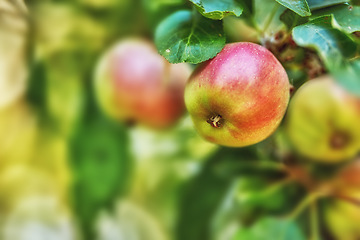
column 64, row 164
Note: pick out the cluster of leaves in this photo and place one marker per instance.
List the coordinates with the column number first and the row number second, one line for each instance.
column 329, row 28
column 241, row 188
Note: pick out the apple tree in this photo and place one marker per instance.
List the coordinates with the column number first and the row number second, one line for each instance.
column 181, row 119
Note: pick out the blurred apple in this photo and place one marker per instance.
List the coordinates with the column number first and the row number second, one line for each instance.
column 323, row 121
column 134, row 83
column 343, row 218
column 342, row 214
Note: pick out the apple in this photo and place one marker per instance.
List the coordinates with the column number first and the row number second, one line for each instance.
column 323, row 121
column 239, row 97
column 342, row 219
column 342, row 214
column 135, row 84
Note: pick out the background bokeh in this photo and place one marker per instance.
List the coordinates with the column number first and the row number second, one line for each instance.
column 70, row 171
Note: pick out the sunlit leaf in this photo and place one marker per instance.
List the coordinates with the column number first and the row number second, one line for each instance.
column 345, row 17
column 331, row 44
column 317, row 4
column 188, row 37
column 347, row 74
column 299, row 6
column 14, row 49
column 216, row 9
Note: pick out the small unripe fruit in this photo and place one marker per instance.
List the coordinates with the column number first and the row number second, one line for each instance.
column 135, row 84
column 323, row 121
column 342, row 219
column 342, row 213
column 239, row 97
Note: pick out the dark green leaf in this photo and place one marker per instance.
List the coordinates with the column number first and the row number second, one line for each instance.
column 101, row 164
column 248, row 7
column 204, row 194
column 271, row 228
column 259, row 195
column 36, row 92
column 331, row 44
column 188, row 37
column 156, row 10
column 317, row 4
column 345, row 17
column 299, row 6
column 292, row 19
column 216, row 9
column 347, row 74
column 297, row 76
column 199, row 205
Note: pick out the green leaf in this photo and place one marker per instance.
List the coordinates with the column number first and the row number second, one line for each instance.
column 248, row 7
column 347, row 74
column 292, row 19
column 299, row 6
column 271, row 228
column 331, row 44
column 186, row 36
column 267, row 16
column 101, row 167
column 217, row 10
column 204, row 194
column 262, row 195
column 36, row 90
column 345, row 17
column 317, row 4
column 156, row 10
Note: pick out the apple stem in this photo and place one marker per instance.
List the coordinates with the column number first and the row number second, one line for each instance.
column 310, row 198
column 215, row 121
column 339, row 140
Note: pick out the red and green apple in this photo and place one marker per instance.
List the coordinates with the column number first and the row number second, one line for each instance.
column 239, row 97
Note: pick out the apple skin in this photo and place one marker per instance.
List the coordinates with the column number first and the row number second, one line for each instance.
column 134, row 83
column 247, row 87
column 322, row 122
